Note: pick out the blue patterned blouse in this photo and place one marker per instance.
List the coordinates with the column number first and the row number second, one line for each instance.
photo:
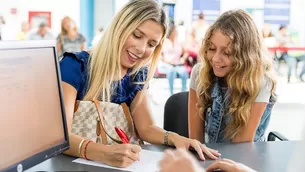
column 74, row 71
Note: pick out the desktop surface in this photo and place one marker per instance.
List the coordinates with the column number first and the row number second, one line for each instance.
column 261, row 156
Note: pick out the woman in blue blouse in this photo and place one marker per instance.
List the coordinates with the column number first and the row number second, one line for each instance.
column 132, row 41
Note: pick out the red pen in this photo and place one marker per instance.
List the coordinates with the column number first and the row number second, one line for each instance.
column 123, row 136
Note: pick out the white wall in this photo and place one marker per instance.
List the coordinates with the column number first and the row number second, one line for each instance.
column 183, row 11
column 240, row 4
column 119, row 4
column 103, row 12
column 58, row 9
column 297, row 18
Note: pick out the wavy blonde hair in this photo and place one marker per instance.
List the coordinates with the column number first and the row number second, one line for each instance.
column 105, row 65
column 251, row 64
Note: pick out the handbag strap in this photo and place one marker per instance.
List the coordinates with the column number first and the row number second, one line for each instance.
column 99, row 131
column 129, row 120
column 128, row 117
column 76, row 106
column 100, row 128
column 100, row 116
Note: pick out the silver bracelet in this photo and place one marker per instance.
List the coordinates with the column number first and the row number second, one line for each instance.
column 166, row 138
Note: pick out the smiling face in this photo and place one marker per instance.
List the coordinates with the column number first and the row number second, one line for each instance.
column 141, row 43
column 219, row 54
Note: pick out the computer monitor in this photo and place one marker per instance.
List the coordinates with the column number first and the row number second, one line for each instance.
column 32, row 116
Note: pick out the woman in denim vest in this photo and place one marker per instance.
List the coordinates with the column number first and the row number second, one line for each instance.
column 232, row 92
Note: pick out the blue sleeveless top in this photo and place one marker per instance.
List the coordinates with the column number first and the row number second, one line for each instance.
column 74, row 71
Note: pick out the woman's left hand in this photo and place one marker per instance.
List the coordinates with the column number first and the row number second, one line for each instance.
column 186, row 143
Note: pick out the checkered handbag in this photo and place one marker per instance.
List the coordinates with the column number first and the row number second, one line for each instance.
column 92, row 120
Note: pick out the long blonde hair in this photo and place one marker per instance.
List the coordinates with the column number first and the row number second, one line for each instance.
column 63, row 31
column 105, row 66
column 251, row 65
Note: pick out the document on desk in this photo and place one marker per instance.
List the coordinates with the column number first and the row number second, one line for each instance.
column 149, row 162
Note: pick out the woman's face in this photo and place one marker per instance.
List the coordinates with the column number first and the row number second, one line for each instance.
column 68, row 24
column 219, row 54
column 141, row 43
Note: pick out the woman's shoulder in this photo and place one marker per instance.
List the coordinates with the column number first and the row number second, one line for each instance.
column 141, row 75
column 197, row 67
column 73, row 68
column 76, row 57
column 81, row 36
column 196, row 70
column 266, row 87
column 268, row 83
column 195, row 76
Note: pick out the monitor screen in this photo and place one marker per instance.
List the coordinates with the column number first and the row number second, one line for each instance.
column 31, row 107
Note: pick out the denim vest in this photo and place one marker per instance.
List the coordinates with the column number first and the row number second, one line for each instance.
column 216, row 120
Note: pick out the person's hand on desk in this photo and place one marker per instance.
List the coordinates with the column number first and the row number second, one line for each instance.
column 228, row 166
column 186, row 143
column 181, row 161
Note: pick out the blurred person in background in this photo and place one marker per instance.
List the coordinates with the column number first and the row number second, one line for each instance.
column 266, row 31
column 172, row 61
column 200, row 26
column 2, row 23
column 192, row 46
column 284, row 40
column 181, row 30
column 269, row 40
column 24, row 31
column 69, row 39
column 97, row 37
column 302, row 58
column 42, row 33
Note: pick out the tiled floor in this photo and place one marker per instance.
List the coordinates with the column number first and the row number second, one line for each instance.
column 288, row 116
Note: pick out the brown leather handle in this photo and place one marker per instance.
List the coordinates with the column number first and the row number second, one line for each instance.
column 128, row 118
column 131, row 128
column 100, row 125
column 101, row 118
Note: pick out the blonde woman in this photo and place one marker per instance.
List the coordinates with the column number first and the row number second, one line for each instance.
column 117, row 71
column 232, row 92
column 69, row 39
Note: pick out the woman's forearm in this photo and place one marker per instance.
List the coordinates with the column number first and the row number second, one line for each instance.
column 156, row 135
column 195, row 123
column 196, row 131
column 74, row 142
column 153, row 135
column 93, row 150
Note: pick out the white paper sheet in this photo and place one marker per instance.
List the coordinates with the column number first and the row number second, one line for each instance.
column 148, row 162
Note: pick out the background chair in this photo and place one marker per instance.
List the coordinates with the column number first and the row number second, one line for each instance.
column 273, row 135
column 176, row 114
column 176, row 117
